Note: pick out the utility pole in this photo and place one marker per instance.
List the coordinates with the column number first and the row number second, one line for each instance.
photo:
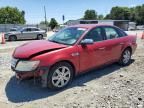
column 45, row 16
column 63, row 18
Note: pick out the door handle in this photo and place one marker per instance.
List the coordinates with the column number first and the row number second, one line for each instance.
column 121, row 43
column 102, row 48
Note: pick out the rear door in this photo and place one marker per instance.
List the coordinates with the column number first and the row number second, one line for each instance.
column 34, row 33
column 114, row 43
column 95, row 54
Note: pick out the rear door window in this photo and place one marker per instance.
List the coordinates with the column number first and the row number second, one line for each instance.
column 121, row 32
column 34, row 29
column 111, row 33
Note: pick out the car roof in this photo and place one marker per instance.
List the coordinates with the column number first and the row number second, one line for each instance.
column 89, row 26
column 30, row 27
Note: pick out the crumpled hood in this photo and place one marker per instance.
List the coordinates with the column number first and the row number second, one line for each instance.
column 35, row 47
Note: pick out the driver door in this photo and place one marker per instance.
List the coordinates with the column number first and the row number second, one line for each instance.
column 26, row 33
column 92, row 55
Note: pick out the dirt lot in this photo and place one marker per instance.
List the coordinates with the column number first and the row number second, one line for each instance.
column 110, row 87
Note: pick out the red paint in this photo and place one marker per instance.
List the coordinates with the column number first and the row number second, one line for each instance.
column 25, row 50
column 89, row 57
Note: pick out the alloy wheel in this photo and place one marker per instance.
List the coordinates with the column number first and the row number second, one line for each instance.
column 40, row 37
column 61, row 76
column 126, row 56
column 12, row 38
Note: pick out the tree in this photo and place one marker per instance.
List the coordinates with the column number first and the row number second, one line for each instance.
column 43, row 23
column 135, row 14
column 90, row 15
column 23, row 17
column 53, row 23
column 120, row 13
column 10, row 15
column 100, row 17
column 107, row 16
column 139, row 14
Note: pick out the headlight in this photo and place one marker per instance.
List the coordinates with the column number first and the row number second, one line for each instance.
column 27, row 65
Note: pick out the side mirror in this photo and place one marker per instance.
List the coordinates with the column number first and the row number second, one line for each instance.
column 87, row 41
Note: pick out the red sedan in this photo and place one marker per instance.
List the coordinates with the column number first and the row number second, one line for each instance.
column 71, row 51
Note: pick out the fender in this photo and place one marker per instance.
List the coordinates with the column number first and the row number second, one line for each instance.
column 65, row 54
column 130, row 42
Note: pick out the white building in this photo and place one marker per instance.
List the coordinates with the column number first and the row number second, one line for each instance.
column 123, row 24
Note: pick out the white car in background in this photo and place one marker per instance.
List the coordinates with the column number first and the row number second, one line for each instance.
column 140, row 27
column 13, row 29
column 26, row 33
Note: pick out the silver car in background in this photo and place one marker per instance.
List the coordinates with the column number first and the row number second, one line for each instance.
column 26, row 33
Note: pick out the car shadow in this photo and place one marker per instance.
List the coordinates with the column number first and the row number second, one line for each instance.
column 26, row 90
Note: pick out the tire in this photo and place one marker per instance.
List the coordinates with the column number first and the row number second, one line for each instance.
column 12, row 38
column 40, row 37
column 61, row 74
column 125, row 57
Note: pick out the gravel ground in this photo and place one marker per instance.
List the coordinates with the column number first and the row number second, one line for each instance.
column 109, row 87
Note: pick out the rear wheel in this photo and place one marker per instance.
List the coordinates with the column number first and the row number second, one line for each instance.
column 12, row 38
column 125, row 57
column 60, row 75
column 40, row 37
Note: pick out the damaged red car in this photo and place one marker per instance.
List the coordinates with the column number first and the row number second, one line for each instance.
column 72, row 51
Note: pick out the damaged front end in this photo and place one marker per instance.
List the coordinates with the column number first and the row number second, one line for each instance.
column 24, row 64
column 39, row 73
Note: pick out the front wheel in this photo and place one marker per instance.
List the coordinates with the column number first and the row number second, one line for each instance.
column 40, row 37
column 125, row 57
column 12, row 38
column 60, row 75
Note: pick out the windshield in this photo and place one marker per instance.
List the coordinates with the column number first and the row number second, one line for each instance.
column 19, row 29
column 67, row 36
column 13, row 29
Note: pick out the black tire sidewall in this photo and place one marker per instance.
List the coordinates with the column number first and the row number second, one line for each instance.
column 12, row 38
column 40, row 37
column 121, row 60
column 52, row 70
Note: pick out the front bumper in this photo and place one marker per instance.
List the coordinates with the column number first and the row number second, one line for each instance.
column 23, row 74
column 28, row 74
column 40, row 72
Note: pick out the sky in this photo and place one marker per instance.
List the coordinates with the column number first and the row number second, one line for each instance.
column 71, row 9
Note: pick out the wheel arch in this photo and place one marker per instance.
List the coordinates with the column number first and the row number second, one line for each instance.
column 13, row 35
column 40, row 34
column 120, row 60
column 128, row 47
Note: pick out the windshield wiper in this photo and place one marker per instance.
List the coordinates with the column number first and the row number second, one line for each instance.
column 54, row 41
column 58, row 42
